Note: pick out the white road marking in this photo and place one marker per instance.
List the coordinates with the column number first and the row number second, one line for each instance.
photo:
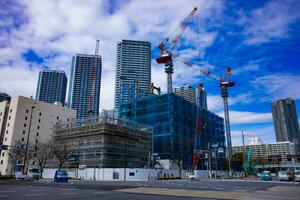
column 70, row 193
column 219, row 188
column 240, row 190
column 68, row 189
column 7, row 191
column 34, row 194
column 38, row 190
column 101, row 192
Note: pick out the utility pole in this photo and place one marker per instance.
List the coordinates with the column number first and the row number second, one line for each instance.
column 27, row 142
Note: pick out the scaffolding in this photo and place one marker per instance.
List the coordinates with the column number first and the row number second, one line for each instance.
column 106, row 143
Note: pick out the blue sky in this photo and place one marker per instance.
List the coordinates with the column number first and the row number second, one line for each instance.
column 258, row 39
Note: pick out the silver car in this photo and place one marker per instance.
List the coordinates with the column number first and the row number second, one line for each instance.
column 285, row 176
column 297, row 175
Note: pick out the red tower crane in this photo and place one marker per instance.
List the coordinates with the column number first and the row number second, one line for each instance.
column 224, row 84
column 91, row 98
column 167, row 46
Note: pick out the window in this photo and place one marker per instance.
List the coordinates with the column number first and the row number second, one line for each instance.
column 40, row 114
column 27, row 111
column 10, row 110
column 6, row 131
column 39, row 120
column 1, row 162
column 25, row 125
column 131, row 173
column 68, row 119
column 0, row 113
column 36, row 141
column 7, row 124
column 22, row 140
column 3, row 154
column 5, row 139
column 38, row 127
column 23, row 132
column 9, row 117
column 57, row 117
column 37, row 134
column 25, row 118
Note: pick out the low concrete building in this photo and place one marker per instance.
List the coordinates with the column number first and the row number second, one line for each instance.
column 265, row 152
column 4, row 107
column 105, row 143
column 28, row 119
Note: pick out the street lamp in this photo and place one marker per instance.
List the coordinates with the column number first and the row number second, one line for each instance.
column 27, row 142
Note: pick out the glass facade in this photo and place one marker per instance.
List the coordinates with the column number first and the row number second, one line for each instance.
column 84, row 88
column 4, row 97
column 133, row 65
column 51, row 87
column 173, row 119
column 286, row 122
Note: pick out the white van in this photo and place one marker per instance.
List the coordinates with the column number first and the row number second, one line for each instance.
column 33, row 172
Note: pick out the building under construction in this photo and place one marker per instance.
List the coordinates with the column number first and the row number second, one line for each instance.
column 106, row 143
column 173, row 119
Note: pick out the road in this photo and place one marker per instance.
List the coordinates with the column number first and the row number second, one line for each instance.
column 148, row 190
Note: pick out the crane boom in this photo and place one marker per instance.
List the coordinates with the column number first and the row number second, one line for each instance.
column 184, row 24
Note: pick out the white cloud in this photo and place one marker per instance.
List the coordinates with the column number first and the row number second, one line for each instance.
column 26, row 80
column 56, row 30
column 240, row 117
column 277, row 86
column 272, row 21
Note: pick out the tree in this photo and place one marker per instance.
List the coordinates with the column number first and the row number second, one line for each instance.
column 43, row 152
column 16, row 155
column 238, row 161
column 62, row 152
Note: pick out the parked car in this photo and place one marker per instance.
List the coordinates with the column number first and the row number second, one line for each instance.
column 297, row 175
column 31, row 172
column 266, row 176
column 61, row 176
column 285, row 175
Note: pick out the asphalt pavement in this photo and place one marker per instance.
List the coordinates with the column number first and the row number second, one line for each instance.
column 148, row 190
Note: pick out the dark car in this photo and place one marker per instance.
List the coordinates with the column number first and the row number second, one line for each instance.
column 61, row 176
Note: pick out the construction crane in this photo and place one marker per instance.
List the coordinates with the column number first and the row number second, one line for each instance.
column 199, row 127
column 224, row 84
column 152, row 88
column 167, row 46
column 91, row 98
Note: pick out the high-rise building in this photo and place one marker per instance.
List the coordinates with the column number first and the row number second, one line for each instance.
column 28, row 120
column 4, row 97
column 188, row 92
column 84, row 88
column 286, row 122
column 51, row 87
column 133, row 68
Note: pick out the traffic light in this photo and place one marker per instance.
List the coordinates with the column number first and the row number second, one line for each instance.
column 3, row 147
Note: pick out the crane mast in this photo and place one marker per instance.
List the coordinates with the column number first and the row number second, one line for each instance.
column 91, row 99
column 224, row 84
